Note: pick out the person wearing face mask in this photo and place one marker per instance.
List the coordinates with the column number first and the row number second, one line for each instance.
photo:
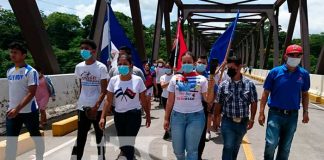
column 283, row 88
column 184, row 110
column 92, row 75
column 127, row 91
column 165, row 79
column 159, row 72
column 233, row 99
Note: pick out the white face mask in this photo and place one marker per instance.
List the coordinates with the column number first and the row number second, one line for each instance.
column 293, row 62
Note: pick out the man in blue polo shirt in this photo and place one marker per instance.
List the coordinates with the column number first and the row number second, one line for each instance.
column 286, row 85
column 23, row 109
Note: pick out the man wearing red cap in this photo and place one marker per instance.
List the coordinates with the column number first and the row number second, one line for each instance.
column 286, row 85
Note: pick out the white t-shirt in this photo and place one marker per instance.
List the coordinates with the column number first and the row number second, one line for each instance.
column 159, row 72
column 165, row 79
column 90, row 76
column 126, row 93
column 19, row 79
column 188, row 92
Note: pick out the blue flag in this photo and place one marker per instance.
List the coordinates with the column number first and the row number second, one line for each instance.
column 219, row 48
column 105, row 39
column 119, row 38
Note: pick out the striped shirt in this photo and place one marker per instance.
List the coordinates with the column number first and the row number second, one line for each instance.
column 19, row 79
column 235, row 97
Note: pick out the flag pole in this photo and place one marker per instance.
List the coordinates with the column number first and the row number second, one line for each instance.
column 177, row 43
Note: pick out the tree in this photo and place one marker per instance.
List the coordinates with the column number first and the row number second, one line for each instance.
column 62, row 28
column 9, row 29
column 86, row 24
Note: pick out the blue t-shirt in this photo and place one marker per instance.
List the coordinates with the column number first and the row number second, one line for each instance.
column 286, row 87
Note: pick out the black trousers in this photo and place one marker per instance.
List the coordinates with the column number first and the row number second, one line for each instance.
column 13, row 127
column 127, row 125
column 164, row 102
column 84, row 125
column 203, row 135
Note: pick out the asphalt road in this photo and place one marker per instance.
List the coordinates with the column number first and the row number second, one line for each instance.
column 307, row 143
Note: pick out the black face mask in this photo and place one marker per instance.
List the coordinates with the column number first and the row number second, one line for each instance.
column 231, row 72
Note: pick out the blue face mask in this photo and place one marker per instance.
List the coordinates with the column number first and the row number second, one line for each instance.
column 187, row 68
column 123, row 69
column 167, row 71
column 201, row 67
column 85, row 54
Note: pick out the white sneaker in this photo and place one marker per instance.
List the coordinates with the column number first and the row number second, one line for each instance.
column 121, row 158
column 208, row 136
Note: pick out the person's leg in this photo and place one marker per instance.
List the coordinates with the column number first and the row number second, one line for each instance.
column 159, row 92
column 132, row 127
column 31, row 121
column 202, row 141
column 272, row 134
column 178, row 124
column 83, row 128
column 120, row 120
column 43, row 117
column 195, row 126
column 229, row 138
column 240, row 131
column 286, row 137
column 167, row 133
column 99, row 137
column 13, row 127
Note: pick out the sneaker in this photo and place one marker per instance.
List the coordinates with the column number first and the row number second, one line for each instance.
column 208, row 136
column 121, row 158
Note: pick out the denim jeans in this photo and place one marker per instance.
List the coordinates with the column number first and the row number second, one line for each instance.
column 127, row 125
column 84, row 125
column 13, row 127
column 232, row 133
column 186, row 130
column 280, row 133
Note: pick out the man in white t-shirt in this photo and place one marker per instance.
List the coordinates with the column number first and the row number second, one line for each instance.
column 93, row 83
column 159, row 70
column 23, row 109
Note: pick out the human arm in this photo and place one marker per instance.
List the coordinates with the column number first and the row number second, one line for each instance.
column 263, row 103
column 106, row 109
column 146, row 108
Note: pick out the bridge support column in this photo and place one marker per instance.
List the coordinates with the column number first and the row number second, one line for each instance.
column 304, row 33
column 261, row 47
column 158, row 27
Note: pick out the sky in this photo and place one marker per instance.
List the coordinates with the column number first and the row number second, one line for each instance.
column 148, row 11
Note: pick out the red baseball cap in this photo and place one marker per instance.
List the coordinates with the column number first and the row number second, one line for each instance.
column 294, row 49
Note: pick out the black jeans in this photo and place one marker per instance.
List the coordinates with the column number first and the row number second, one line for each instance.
column 127, row 125
column 164, row 102
column 13, row 127
column 84, row 125
column 203, row 135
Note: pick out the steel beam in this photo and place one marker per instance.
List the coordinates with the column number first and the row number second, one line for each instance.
column 98, row 23
column 138, row 27
column 244, row 8
column 167, row 27
column 261, row 47
column 243, row 52
column 274, row 22
column 291, row 28
column 253, row 54
column 247, row 51
column 304, row 32
column 320, row 63
column 33, row 31
column 189, row 37
column 158, row 28
column 205, row 20
column 266, row 56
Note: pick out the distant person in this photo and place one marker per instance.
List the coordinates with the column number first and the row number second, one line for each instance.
column 23, row 109
column 44, row 91
column 284, row 88
column 250, row 69
column 127, row 91
column 159, row 72
column 233, row 99
column 149, row 83
column 92, row 75
column 184, row 111
column 165, row 80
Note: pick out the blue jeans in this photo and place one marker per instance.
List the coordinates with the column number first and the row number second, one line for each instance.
column 280, row 133
column 13, row 127
column 232, row 133
column 186, row 130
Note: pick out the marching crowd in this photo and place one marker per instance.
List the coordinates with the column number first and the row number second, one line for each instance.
column 195, row 102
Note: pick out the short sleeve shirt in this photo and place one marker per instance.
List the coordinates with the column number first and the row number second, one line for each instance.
column 90, row 76
column 165, row 79
column 19, row 80
column 286, row 87
column 126, row 93
column 188, row 92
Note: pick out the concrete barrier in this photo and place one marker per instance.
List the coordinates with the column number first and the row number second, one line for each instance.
column 65, row 126
column 25, row 144
column 67, row 92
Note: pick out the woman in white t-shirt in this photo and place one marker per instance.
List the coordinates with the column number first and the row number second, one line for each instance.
column 127, row 92
column 164, row 80
column 187, row 120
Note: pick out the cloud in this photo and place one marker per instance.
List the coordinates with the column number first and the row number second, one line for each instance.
column 83, row 10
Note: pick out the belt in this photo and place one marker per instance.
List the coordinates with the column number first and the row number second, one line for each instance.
column 283, row 111
column 236, row 120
